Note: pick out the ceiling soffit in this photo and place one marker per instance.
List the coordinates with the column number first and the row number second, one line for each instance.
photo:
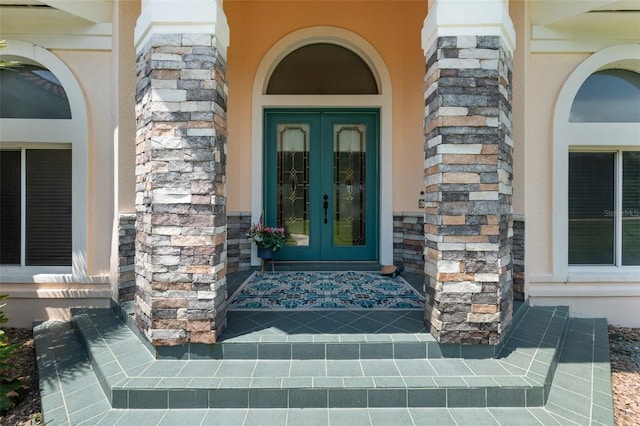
column 583, row 25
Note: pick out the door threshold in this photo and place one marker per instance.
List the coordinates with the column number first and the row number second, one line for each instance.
column 307, row 265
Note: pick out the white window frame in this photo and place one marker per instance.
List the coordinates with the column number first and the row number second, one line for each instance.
column 37, row 133
column 617, row 207
column 568, row 136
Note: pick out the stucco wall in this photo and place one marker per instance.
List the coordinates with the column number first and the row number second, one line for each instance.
column 517, row 11
column 546, row 74
column 615, row 296
column 392, row 27
column 51, row 296
column 92, row 69
column 124, row 65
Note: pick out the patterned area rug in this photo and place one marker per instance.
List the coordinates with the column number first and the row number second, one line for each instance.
column 324, row 290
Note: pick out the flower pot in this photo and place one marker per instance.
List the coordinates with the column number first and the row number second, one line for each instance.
column 265, row 253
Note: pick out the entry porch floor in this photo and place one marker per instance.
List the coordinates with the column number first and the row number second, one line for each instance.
column 326, row 368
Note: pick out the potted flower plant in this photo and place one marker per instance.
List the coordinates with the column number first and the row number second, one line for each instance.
column 268, row 239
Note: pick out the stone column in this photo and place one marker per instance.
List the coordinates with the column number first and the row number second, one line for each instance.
column 468, row 170
column 180, row 171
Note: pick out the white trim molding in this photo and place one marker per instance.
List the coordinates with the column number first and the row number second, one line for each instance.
column 260, row 101
column 182, row 17
column 51, row 301
column 97, row 11
column 616, row 299
column 579, row 26
column 74, row 131
column 468, row 18
column 568, row 135
column 58, row 28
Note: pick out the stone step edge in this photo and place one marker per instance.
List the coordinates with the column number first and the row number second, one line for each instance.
column 401, row 346
column 115, row 385
column 560, row 319
column 327, row 398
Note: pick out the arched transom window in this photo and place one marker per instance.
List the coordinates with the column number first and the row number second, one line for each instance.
column 608, row 96
column 31, row 91
column 322, row 69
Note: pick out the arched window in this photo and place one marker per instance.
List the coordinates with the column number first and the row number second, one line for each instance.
column 31, row 91
column 35, row 184
column 608, row 96
column 604, row 204
column 43, row 167
column 597, row 166
column 322, row 69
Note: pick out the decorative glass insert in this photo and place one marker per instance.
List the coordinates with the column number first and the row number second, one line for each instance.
column 591, row 208
column 630, row 208
column 608, row 96
column 29, row 91
column 293, row 182
column 322, row 69
column 349, row 150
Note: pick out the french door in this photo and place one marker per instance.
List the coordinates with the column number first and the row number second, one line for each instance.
column 321, row 182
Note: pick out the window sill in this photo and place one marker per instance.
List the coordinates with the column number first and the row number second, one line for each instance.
column 583, row 284
column 603, row 274
column 46, row 274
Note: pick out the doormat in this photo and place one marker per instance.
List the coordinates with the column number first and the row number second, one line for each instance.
column 352, row 290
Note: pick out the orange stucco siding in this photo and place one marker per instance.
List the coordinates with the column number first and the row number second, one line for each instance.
column 391, row 27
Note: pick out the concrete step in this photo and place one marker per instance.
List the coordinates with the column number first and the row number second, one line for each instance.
column 72, row 394
column 338, row 335
column 132, row 378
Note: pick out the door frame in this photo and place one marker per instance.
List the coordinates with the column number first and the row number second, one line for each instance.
column 321, row 118
column 382, row 101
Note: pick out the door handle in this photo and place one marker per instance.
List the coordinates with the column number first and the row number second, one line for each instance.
column 325, row 204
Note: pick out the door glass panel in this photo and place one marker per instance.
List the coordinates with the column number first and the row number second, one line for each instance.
column 349, row 142
column 293, row 182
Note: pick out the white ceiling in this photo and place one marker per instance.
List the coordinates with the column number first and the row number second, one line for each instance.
column 95, row 11
column 558, row 12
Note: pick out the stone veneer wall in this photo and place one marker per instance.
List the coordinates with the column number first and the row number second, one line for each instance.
column 238, row 245
column 180, row 189
column 126, row 257
column 408, row 241
column 468, row 174
column 518, row 257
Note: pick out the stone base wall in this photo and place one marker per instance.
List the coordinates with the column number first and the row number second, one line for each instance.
column 518, row 257
column 408, row 241
column 238, row 245
column 126, row 257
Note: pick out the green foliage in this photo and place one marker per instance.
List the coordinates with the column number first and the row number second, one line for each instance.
column 8, row 385
column 6, row 64
column 266, row 236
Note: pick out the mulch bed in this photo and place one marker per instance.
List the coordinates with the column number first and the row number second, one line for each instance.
column 27, row 410
column 624, row 352
column 625, row 376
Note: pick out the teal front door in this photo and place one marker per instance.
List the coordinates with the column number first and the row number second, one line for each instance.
column 321, row 182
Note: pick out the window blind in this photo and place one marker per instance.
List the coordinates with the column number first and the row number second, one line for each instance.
column 48, row 215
